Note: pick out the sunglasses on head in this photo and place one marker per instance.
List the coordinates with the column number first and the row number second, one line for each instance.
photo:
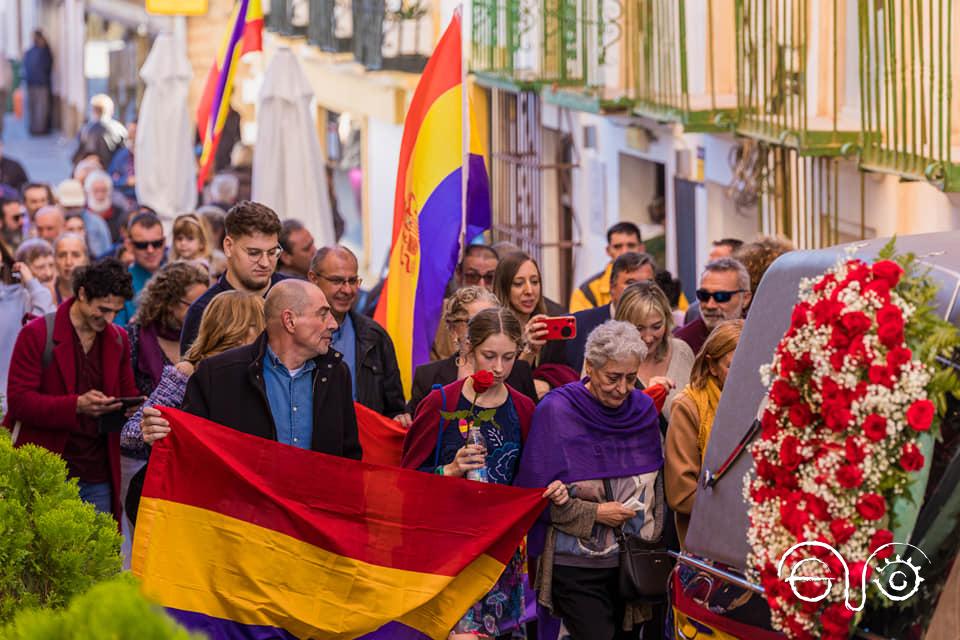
column 720, row 296
column 142, row 246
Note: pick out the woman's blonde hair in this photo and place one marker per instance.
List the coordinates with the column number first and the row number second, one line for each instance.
column 722, row 340
column 226, row 323
column 192, row 226
column 640, row 300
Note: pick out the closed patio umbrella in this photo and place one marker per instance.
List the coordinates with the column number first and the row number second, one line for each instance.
column 164, row 163
column 289, row 174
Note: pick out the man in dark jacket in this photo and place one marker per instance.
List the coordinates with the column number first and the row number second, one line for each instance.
column 37, row 73
column 288, row 386
column 366, row 347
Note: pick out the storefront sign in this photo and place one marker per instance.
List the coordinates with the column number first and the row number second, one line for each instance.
column 177, row 7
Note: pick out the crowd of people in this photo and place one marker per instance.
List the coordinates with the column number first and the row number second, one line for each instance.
column 238, row 318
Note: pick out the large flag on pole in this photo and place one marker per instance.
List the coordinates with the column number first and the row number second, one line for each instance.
column 429, row 208
column 243, row 537
column 245, row 34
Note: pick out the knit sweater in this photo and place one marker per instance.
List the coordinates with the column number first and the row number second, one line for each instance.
column 169, row 393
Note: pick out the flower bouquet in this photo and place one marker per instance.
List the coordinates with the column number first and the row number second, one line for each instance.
column 852, row 410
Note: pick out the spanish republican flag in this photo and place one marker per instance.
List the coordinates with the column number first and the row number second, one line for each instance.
column 244, row 537
column 244, row 34
column 428, row 209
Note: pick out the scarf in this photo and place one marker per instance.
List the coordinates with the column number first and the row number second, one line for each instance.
column 574, row 437
column 706, row 400
column 150, row 356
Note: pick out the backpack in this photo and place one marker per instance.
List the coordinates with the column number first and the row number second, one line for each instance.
column 45, row 360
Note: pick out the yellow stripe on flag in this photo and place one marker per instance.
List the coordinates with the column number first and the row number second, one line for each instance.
column 201, row 561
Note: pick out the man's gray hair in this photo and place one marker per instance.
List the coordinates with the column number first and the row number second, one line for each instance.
column 69, row 235
column 614, row 340
column 95, row 176
column 225, row 187
column 730, row 264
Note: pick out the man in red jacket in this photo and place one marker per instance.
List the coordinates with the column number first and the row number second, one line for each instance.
column 65, row 387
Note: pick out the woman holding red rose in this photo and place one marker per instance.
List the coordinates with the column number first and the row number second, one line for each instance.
column 437, row 444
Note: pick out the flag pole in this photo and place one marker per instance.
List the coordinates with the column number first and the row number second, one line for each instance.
column 465, row 131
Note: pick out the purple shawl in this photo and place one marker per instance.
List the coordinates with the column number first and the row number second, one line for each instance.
column 574, row 437
column 151, row 359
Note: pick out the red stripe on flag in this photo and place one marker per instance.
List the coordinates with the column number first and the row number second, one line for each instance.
column 381, row 515
column 206, row 102
column 381, row 438
column 252, row 36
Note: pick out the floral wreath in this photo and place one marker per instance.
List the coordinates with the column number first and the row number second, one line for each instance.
column 853, row 397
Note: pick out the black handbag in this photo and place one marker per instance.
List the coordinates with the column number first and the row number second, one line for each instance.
column 645, row 567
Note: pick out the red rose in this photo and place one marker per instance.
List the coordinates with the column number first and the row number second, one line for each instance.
column 783, row 394
column 898, row 356
column 836, row 619
column 825, row 311
column 910, row 457
column 769, row 425
column 824, row 282
column 858, row 569
column 871, row 506
column 880, row 288
column 839, row 339
column 800, row 415
column 818, row 507
column 837, row 359
column 850, row 476
column 880, row 538
column 842, row 530
column 875, row 427
column 794, row 519
column 888, row 271
column 920, row 415
column 799, row 316
column 890, row 335
column 880, row 375
column 790, row 456
column 855, row 323
column 889, row 314
column 854, row 452
column 838, row 419
column 482, row 380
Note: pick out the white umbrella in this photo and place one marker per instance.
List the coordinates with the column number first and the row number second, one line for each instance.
column 164, row 163
column 289, row 174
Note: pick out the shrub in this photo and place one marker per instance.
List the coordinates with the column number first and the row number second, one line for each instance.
column 111, row 609
column 53, row 545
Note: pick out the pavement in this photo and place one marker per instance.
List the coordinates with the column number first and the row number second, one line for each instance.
column 45, row 158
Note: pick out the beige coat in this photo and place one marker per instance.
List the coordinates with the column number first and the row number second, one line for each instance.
column 683, row 460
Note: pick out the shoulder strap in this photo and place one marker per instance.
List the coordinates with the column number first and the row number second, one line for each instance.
column 588, row 292
column 49, row 319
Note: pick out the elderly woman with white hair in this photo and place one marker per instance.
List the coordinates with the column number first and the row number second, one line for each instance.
column 599, row 436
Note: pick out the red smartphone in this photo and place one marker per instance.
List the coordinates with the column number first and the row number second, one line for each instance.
column 561, row 328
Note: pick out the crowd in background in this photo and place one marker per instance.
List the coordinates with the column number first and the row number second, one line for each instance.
column 237, row 317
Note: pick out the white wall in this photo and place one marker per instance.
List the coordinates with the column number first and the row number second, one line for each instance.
column 382, row 154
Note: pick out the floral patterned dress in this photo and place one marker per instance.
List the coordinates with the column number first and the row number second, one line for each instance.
column 499, row 612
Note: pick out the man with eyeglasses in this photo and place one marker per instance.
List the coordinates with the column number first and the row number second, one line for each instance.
column 252, row 248
column 146, row 244
column 724, row 294
column 478, row 266
column 367, row 349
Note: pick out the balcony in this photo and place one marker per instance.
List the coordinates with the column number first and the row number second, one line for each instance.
column 911, row 124
column 685, row 62
column 566, row 47
column 331, row 25
column 791, row 57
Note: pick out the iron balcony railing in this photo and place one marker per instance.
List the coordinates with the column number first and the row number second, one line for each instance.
column 789, row 90
column 684, row 52
column 548, row 42
column 331, row 25
column 906, row 70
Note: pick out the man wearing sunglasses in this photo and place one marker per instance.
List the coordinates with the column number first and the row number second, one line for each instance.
column 146, row 244
column 477, row 268
column 724, row 294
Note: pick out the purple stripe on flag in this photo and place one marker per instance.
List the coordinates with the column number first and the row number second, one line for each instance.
column 395, row 631
column 235, row 37
column 478, row 198
column 221, row 629
column 439, row 226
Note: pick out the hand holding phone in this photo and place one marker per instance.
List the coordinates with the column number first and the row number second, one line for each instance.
column 561, row 328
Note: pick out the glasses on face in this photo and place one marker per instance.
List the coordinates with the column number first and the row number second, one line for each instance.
column 256, row 255
column 720, row 296
column 152, row 244
column 339, row 282
column 474, row 278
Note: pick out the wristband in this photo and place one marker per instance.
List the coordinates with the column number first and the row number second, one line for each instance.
column 439, row 470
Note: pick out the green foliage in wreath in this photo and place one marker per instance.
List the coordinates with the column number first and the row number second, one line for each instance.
column 478, row 417
column 111, row 609
column 53, row 546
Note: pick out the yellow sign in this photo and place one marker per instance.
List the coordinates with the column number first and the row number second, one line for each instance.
column 177, row 7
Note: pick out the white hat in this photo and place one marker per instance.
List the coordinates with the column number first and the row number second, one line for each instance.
column 70, row 194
